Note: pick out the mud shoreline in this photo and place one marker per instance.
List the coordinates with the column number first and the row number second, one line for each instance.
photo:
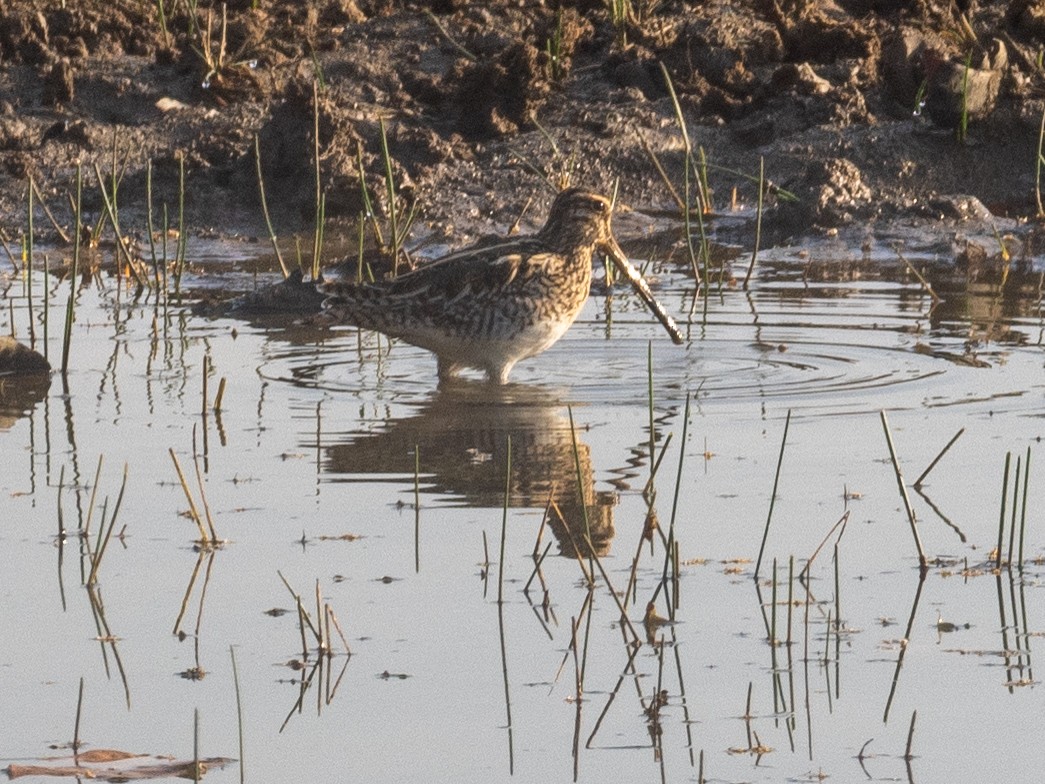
column 854, row 107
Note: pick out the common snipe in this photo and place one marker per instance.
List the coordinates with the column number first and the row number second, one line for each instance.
column 491, row 305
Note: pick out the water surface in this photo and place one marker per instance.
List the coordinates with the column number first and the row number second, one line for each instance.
column 336, row 461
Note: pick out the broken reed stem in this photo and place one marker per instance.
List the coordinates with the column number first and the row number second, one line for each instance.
column 804, row 574
column 1001, row 516
column 613, row 695
column 758, row 219
column 121, row 246
column 660, row 170
column 772, row 498
column 340, row 631
column 932, row 465
column 57, row 227
column 265, row 209
column 203, row 496
column 504, row 520
column 194, row 513
column 589, row 580
column 97, row 561
column 94, row 494
column 319, row 620
column 220, row 396
column 923, row 564
column 239, row 714
column 688, row 147
column 536, row 565
column 579, row 475
column 921, row 278
column 439, row 26
column 302, row 618
column 613, row 593
column 544, row 520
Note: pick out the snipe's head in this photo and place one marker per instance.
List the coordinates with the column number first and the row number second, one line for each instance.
column 579, row 223
column 578, row 219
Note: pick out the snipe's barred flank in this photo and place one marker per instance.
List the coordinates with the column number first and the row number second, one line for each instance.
column 491, row 305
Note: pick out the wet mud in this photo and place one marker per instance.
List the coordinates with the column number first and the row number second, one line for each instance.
column 868, row 111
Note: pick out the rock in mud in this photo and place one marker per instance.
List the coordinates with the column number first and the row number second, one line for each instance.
column 59, row 86
column 830, row 193
column 924, row 67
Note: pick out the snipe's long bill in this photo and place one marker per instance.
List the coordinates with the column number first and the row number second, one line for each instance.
column 491, row 305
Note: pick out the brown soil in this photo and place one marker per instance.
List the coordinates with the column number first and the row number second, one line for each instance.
column 485, row 103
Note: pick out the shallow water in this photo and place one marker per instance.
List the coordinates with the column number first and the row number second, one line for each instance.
column 336, row 461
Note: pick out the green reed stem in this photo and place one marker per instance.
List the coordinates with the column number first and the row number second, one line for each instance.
column 773, row 497
column 652, row 423
column 265, row 209
column 149, row 224
column 179, row 263
column 1015, row 507
column 29, row 266
column 772, row 616
column 678, row 472
column 239, row 715
column 197, row 772
column 417, row 508
column 1037, row 166
column 1001, row 516
column 47, row 306
column 790, row 595
column 910, row 738
column 1023, row 513
column 758, row 219
column 317, row 240
column 76, row 726
column 504, row 520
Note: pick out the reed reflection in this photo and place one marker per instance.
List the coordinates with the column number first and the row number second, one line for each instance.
column 461, row 435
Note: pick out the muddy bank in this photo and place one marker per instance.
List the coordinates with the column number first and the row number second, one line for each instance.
column 868, row 111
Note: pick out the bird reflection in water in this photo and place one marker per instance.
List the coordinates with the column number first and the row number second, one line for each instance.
column 462, row 436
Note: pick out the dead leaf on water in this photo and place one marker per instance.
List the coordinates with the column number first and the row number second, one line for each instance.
column 99, row 764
